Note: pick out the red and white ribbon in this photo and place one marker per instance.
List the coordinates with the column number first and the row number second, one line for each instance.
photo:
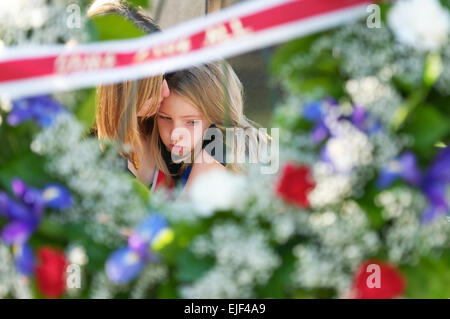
column 241, row 28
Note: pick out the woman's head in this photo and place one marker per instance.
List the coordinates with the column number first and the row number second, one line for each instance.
column 125, row 111
column 200, row 96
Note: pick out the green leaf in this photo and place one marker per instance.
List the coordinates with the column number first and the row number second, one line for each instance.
column 183, row 234
column 141, row 190
column 141, row 3
column 427, row 126
column 190, row 267
column 168, row 290
column 114, row 27
column 433, row 68
column 85, row 113
column 288, row 50
column 27, row 166
column 276, row 287
column 428, row 279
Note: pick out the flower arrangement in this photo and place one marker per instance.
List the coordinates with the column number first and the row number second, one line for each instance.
column 358, row 209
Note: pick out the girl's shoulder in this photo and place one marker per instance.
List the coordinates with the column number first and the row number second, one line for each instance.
column 206, row 164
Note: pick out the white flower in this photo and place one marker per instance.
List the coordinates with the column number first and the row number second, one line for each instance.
column 77, row 255
column 422, row 24
column 217, row 190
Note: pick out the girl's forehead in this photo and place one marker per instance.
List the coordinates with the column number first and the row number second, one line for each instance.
column 177, row 105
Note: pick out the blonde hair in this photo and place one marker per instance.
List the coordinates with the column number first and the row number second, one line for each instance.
column 215, row 89
column 118, row 104
column 117, row 108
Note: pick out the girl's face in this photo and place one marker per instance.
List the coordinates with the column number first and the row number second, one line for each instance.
column 181, row 125
column 149, row 103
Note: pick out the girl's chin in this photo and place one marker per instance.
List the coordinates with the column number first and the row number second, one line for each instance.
column 179, row 155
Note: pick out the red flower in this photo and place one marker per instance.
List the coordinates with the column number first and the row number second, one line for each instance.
column 50, row 272
column 295, row 184
column 377, row 280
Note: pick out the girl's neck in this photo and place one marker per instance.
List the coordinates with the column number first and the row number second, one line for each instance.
column 146, row 166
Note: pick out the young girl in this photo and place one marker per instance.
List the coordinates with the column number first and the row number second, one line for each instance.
column 203, row 99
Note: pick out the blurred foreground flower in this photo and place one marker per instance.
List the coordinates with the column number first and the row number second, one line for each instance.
column 127, row 263
column 41, row 109
column 410, row 23
column 436, row 186
column 377, row 280
column 404, row 167
column 24, row 217
column 295, row 184
column 50, row 272
column 225, row 190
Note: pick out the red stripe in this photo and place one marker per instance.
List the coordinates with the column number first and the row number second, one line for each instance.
column 286, row 13
column 161, row 180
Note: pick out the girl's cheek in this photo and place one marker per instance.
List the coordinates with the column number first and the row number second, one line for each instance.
column 163, row 131
column 196, row 136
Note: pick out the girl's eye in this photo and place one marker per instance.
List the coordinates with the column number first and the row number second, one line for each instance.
column 193, row 122
column 164, row 117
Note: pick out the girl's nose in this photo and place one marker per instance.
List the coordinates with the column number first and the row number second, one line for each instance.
column 177, row 134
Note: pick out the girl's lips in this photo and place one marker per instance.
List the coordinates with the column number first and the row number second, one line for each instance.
column 171, row 146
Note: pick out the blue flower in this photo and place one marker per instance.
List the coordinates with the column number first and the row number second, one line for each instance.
column 24, row 258
column 124, row 265
column 316, row 112
column 435, row 186
column 313, row 111
column 404, row 167
column 150, row 227
column 42, row 109
column 56, row 196
column 127, row 262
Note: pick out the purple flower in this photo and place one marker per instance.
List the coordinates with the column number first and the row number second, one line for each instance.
column 404, row 167
column 14, row 210
column 17, row 232
column 320, row 132
column 30, row 196
column 24, row 258
column 435, row 186
column 24, row 216
column 42, row 109
column 146, row 232
column 19, row 187
column 364, row 121
column 4, row 200
column 440, row 169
